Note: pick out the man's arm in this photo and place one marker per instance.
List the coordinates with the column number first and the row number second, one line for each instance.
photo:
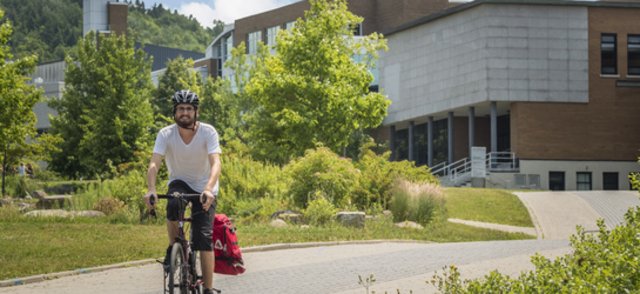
column 152, row 173
column 216, row 169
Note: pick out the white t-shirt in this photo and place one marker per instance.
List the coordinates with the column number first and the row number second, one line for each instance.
column 189, row 163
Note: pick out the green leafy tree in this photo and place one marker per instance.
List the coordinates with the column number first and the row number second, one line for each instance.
column 17, row 98
column 105, row 113
column 312, row 90
column 179, row 75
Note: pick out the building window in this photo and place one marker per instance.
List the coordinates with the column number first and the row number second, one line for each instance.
column 229, row 46
column 556, row 181
column 633, row 55
column 610, row 181
column 254, row 38
column 357, row 29
column 583, row 181
column 272, row 32
column 608, row 54
column 289, row 25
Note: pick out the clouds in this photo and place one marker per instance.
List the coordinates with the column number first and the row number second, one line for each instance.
column 228, row 10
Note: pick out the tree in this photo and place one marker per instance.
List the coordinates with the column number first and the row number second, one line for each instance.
column 312, row 91
column 179, row 75
column 105, row 113
column 17, row 98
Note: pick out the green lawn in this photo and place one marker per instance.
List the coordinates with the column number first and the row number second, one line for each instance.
column 37, row 246
column 30, row 246
column 487, row 205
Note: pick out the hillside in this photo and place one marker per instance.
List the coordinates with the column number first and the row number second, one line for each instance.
column 48, row 28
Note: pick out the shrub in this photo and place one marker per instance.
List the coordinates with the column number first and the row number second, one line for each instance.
column 320, row 211
column 246, row 179
column 108, row 205
column 421, row 203
column 603, row 263
column 378, row 175
column 321, row 172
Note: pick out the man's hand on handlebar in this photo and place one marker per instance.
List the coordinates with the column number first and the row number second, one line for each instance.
column 147, row 200
column 207, row 198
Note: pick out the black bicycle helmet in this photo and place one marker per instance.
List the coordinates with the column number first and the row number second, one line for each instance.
column 185, row 96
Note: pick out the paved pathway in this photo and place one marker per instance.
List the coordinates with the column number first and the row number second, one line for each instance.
column 404, row 266
column 331, row 269
column 556, row 214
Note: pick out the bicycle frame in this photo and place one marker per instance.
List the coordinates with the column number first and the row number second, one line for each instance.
column 189, row 281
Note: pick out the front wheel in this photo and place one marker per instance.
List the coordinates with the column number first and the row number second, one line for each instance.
column 177, row 274
column 196, row 273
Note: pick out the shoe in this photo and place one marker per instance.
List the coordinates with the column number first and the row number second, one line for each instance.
column 212, row 291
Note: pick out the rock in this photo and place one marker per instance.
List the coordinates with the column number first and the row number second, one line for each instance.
column 351, row 218
column 64, row 213
column 410, row 224
column 387, row 213
column 292, row 218
column 88, row 213
column 305, row 226
column 278, row 223
column 5, row 202
column 48, row 213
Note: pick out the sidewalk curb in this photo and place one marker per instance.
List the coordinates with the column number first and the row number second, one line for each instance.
column 262, row 248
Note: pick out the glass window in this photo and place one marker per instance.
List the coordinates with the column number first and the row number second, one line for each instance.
column 610, row 181
column 229, row 47
column 633, row 52
column 556, row 181
column 608, row 54
column 289, row 25
column 272, row 32
column 254, row 38
column 357, row 30
column 583, row 181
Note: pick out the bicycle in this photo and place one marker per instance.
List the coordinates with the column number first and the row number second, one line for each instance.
column 184, row 276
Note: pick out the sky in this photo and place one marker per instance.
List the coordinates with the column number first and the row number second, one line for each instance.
column 205, row 11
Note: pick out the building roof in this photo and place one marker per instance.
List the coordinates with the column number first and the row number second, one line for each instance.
column 465, row 6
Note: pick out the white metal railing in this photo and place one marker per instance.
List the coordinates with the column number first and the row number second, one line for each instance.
column 502, row 162
column 460, row 171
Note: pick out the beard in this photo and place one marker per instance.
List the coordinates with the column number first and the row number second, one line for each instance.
column 185, row 121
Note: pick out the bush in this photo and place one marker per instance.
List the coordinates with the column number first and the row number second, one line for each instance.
column 108, row 205
column 321, row 172
column 421, row 203
column 603, row 263
column 246, row 179
column 320, row 211
column 378, row 175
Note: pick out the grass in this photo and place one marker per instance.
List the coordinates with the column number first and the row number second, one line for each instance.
column 486, row 205
column 31, row 246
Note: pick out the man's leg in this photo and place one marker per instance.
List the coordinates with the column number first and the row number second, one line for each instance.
column 207, row 262
column 172, row 230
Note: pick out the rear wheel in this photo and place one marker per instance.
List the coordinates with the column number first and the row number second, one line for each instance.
column 177, row 273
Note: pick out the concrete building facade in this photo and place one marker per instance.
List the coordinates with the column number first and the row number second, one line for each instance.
column 521, row 78
column 535, row 82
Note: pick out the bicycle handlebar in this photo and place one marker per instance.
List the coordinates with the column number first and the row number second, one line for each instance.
column 184, row 196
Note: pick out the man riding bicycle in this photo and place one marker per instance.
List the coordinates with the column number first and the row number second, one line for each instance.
column 191, row 151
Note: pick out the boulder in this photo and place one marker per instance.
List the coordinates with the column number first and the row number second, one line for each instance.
column 88, row 213
column 292, row 218
column 351, row 218
column 48, row 213
column 278, row 223
column 410, row 224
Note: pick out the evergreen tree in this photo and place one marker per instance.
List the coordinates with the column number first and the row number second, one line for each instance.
column 105, row 112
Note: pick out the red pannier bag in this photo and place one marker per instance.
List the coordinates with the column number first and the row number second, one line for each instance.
column 225, row 247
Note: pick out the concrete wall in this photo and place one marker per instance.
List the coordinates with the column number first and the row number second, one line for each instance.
column 94, row 16
column 487, row 53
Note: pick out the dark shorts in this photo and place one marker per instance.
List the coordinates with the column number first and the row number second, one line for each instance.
column 201, row 224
